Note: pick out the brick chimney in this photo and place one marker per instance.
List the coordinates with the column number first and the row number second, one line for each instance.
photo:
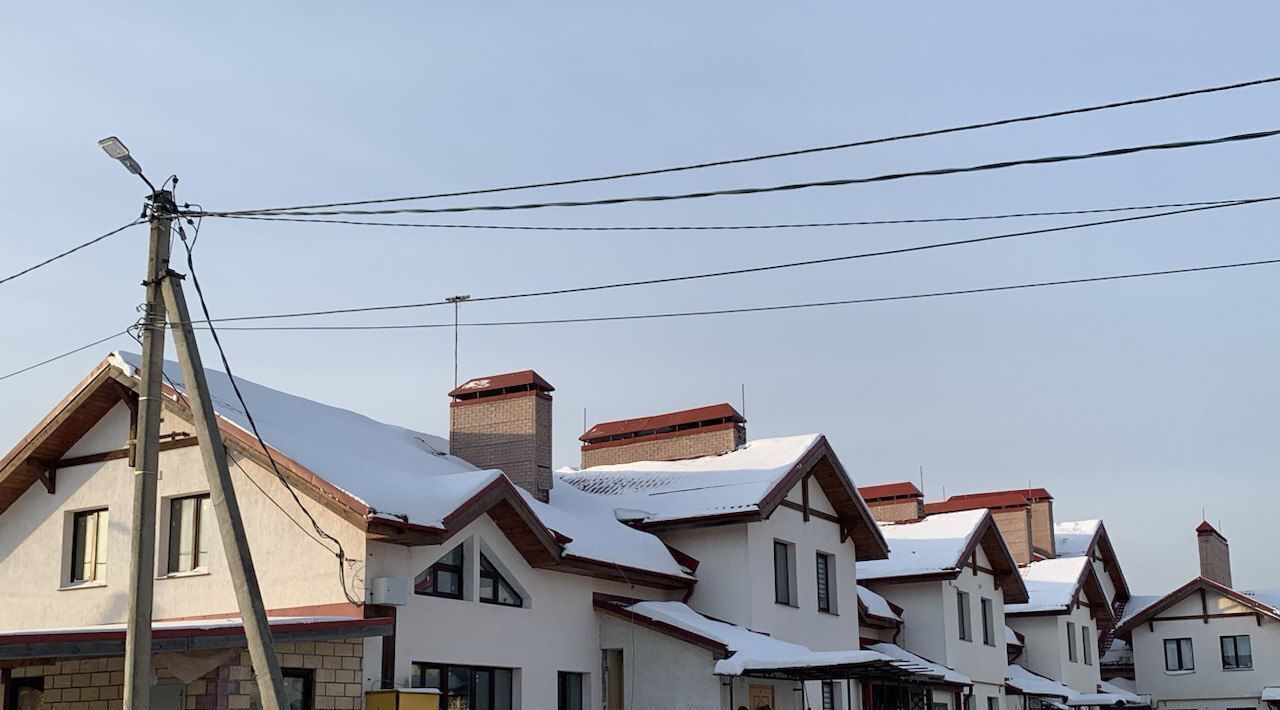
column 1215, row 554
column 1043, row 541
column 687, row 434
column 894, row 502
column 1009, row 509
column 504, row 422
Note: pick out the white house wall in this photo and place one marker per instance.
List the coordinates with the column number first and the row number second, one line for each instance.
column 986, row 665
column 1046, row 650
column 293, row 570
column 723, row 568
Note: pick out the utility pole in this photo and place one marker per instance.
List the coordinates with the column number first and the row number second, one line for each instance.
column 457, row 304
column 165, row 298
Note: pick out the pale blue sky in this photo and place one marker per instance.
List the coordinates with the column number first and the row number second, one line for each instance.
column 1138, row 402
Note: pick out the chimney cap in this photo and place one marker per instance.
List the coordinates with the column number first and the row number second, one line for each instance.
column 671, row 420
column 888, row 491
column 1204, row 528
column 975, row 501
column 522, row 380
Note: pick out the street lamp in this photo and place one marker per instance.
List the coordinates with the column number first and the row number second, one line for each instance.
column 116, row 149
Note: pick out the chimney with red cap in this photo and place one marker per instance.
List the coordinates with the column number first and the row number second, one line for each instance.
column 1215, row 554
column 894, row 502
column 690, row 433
column 504, row 422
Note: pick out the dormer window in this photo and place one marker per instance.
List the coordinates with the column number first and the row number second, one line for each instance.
column 494, row 588
column 444, row 578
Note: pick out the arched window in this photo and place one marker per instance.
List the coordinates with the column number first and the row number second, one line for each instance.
column 444, row 578
column 494, row 588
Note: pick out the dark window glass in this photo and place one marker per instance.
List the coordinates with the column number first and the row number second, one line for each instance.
column 299, row 688
column 1178, row 655
column 993, row 703
column 1086, row 645
column 444, row 578
column 828, row 694
column 466, row 687
column 988, row 622
column 1237, row 653
column 782, row 572
column 824, row 588
column 89, row 546
column 1073, row 654
column 494, row 588
column 569, row 691
column 962, row 616
column 189, row 521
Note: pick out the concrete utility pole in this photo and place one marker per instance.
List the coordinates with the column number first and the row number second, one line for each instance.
column 164, row 297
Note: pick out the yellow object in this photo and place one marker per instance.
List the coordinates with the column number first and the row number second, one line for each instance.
column 402, row 699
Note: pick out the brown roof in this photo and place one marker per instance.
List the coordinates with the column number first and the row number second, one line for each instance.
column 1164, row 603
column 905, row 489
column 1205, row 528
column 1031, row 494
column 668, row 421
column 1003, row 499
column 527, row 379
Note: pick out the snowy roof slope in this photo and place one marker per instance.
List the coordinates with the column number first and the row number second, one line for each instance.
column 1051, row 584
column 1137, row 604
column 389, row 468
column 1122, row 687
column 1071, row 539
column 902, row 654
column 933, row 544
column 876, row 604
column 1271, row 694
column 1028, row 683
column 1011, row 637
column 749, row 649
column 598, row 535
column 707, row 485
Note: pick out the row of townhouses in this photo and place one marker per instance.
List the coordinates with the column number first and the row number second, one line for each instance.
column 682, row 565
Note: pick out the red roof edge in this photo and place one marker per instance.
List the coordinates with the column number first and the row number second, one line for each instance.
column 1002, row 499
column 885, row 491
column 722, row 411
column 478, row 386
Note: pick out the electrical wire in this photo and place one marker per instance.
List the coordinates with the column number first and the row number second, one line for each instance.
column 68, row 353
column 802, row 151
column 70, row 251
column 730, row 227
column 340, row 553
column 754, row 269
column 788, row 187
column 761, row 309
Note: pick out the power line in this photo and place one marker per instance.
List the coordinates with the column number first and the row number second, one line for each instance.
column 754, row 269
column 788, row 187
column 760, row 309
column 70, row 251
column 68, row 353
column 802, row 151
column 730, row 227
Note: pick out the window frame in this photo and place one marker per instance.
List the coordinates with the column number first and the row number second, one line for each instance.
column 417, row 674
column 199, row 534
column 440, row 565
column 499, row 581
column 1073, row 653
column 828, row 695
column 787, row 572
column 1085, row 643
column 988, row 607
column 1235, row 651
column 563, row 693
column 96, row 553
column 822, row 567
column 308, row 677
column 964, row 618
column 1182, row 662
column 993, row 702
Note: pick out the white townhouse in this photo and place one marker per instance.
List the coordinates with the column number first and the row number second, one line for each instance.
column 952, row 575
column 477, row 573
column 1206, row 645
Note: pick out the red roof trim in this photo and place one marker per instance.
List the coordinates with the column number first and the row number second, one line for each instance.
column 523, row 378
column 662, row 421
column 884, row 491
column 1004, row 499
column 194, row 632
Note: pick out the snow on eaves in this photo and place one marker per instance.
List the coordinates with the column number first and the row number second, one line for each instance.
column 926, row 546
column 1072, row 539
column 902, row 654
column 1028, row 683
column 708, row 485
column 876, row 604
column 1051, row 584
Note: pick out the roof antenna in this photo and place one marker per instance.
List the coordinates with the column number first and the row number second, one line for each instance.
column 744, row 400
column 584, row 420
column 921, row 479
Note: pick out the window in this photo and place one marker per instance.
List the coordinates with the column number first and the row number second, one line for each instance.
column 962, row 611
column 1178, row 655
column 88, row 546
column 824, row 582
column 494, row 588
column 1237, row 653
column 1073, row 653
column 444, row 578
column 828, row 692
column 299, row 688
column 569, row 691
column 993, row 703
column 1086, row 645
column 783, row 587
column 466, row 687
column 988, row 622
column 189, row 521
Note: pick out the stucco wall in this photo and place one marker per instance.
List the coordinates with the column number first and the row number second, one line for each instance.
column 293, row 570
column 1046, row 650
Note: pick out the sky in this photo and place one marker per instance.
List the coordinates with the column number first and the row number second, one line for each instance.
column 1140, row 402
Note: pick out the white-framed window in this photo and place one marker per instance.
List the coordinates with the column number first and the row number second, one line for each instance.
column 784, row 573
column 88, row 561
column 964, row 616
column 190, row 522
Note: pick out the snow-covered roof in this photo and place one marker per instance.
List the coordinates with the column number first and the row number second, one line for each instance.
column 876, row 604
column 1124, row 688
column 934, row 544
column 1102, row 700
column 1028, row 683
column 1011, row 638
column 749, row 650
column 1051, row 583
column 1137, row 604
column 1118, row 653
column 654, row 491
column 1271, row 694
column 1072, row 539
column 948, row 675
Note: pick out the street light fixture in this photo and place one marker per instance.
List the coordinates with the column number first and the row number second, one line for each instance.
column 116, row 149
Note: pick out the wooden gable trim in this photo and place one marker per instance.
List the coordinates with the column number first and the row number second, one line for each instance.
column 615, row 609
column 1005, row 568
column 1152, row 613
